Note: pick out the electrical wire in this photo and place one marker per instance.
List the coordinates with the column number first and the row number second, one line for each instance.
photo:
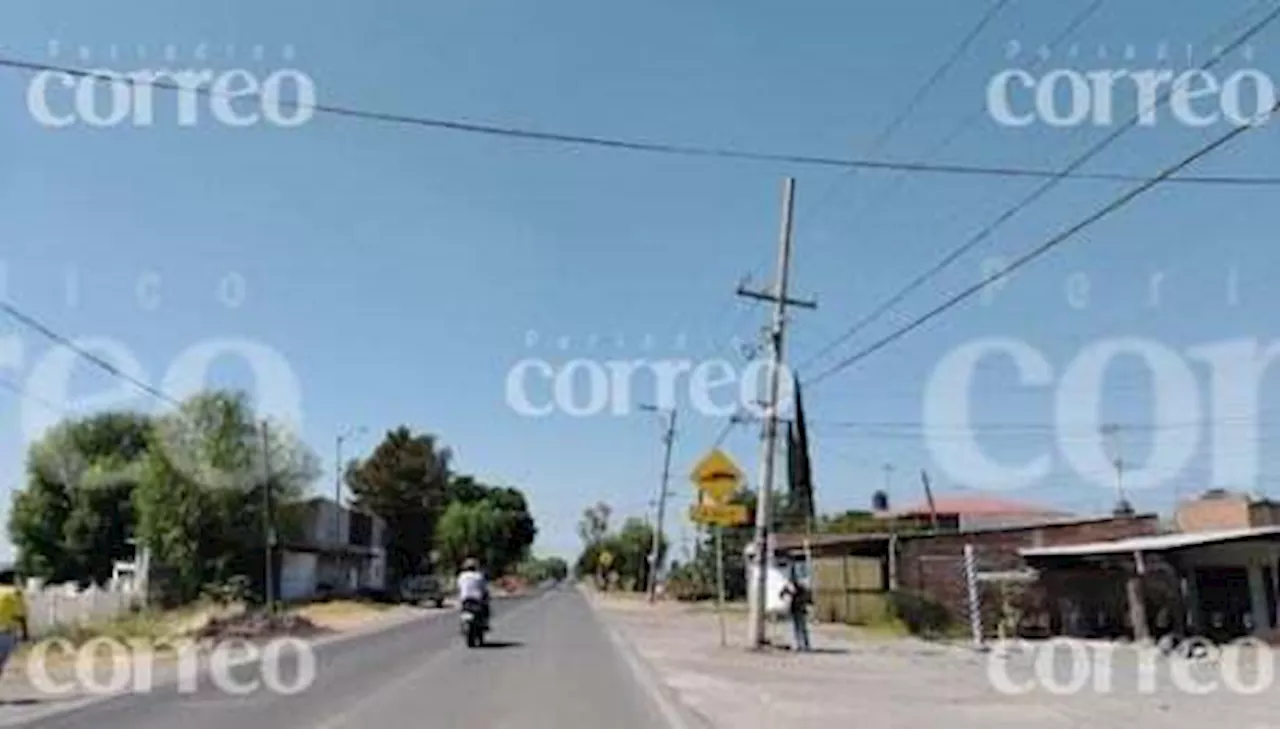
column 35, row 324
column 1027, row 258
column 1040, row 191
column 665, row 148
column 980, row 112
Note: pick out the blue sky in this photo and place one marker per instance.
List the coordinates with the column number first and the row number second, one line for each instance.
column 400, row 270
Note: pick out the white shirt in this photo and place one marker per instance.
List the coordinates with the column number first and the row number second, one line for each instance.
column 472, row 585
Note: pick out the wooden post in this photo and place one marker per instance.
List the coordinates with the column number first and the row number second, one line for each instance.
column 1137, row 601
column 720, row 583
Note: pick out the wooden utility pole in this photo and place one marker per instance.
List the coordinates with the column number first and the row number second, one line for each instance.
column 668, row 439
column 269, row 529
column 928, row 495
column 763, row 557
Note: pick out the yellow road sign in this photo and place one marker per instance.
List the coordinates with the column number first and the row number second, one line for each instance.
column 719, row 514
column 717, row 476
column 605, row 559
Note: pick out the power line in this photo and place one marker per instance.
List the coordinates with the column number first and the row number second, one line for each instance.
column 1042, row 190
column 1040, row 250
column 38, row 326
column 920, row 93
column 980, row 112
column 938, row 73
column 673, row 149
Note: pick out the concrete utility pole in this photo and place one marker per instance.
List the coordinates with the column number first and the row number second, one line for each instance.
column 764, row 516
column 668, row 440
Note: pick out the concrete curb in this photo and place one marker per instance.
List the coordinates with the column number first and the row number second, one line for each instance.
column 675, row 711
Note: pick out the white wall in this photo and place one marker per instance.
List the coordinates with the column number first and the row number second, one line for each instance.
column 297, row 575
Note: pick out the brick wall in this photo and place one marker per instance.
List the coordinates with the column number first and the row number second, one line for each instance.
column 1264, row 513
column 1228, row 511
column 934, row 565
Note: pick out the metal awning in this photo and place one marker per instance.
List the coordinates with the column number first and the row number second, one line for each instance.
column 1159, row 543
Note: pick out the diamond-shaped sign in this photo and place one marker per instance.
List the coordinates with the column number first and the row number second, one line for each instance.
column 717, row 476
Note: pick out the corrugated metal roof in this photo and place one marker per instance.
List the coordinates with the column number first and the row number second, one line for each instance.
column 1160, row 543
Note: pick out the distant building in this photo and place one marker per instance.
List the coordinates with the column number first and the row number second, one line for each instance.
column 1221, row 509
column 968, row 512
column 337, row 551
column 854, row 573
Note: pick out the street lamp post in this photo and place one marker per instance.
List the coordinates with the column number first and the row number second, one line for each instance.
column 337, row 477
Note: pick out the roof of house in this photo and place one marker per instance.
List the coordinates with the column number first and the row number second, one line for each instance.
column 1158, row 543
column 791, row 541
column 981, row 505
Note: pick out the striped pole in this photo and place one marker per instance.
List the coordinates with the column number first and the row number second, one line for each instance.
column 975, row 607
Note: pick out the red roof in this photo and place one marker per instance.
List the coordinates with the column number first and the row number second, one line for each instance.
column 981, row 505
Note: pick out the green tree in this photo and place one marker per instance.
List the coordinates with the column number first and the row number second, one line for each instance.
column 405, row 482
column 497, row 529
column 536, row 570
column 74, row 518
column 735, row 543
column 630, row 550
column 474, row 529
column 594, row 524
column 201, row 497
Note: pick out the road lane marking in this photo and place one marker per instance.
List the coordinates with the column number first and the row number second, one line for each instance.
column 644, row 675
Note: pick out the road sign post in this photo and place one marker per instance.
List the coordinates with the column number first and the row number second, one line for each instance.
column 720, row 583
column 717, row 478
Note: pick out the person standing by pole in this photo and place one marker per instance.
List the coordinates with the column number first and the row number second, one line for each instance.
column 796, row 593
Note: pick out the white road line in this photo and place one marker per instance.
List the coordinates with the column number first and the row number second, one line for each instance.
column 645, row 675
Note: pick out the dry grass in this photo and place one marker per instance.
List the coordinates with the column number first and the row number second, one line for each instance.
column 342, row 614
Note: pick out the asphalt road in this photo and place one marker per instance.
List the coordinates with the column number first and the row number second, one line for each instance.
column 551, row 664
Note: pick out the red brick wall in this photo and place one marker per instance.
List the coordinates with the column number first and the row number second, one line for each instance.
column 934, row 565
column 1222, row 512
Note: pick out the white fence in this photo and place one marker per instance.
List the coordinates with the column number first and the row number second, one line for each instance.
column 51, row 606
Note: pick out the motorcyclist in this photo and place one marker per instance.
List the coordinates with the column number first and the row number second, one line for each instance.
column 473, row 587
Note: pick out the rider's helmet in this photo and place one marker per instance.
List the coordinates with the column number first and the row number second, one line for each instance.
column 470, row 564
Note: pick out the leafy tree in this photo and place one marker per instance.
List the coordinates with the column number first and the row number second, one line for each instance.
column 594, row 524
column 201, row 497
column 36, row 526
column 74, row 519
column 405, row 482
column 734, row 546
column 497, row 529
column 540, row 570
column 519, row 529
column 472, row 530
column 465, row 489
column 629, row 548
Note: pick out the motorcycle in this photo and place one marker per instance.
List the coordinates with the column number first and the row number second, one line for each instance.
column 474, row 624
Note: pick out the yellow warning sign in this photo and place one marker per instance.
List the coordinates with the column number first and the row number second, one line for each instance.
column 719, row 514
column 717, row 476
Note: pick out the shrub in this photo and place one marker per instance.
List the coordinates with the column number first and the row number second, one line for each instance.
column 687, row 584
column 921, row 614
column 234, row 590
